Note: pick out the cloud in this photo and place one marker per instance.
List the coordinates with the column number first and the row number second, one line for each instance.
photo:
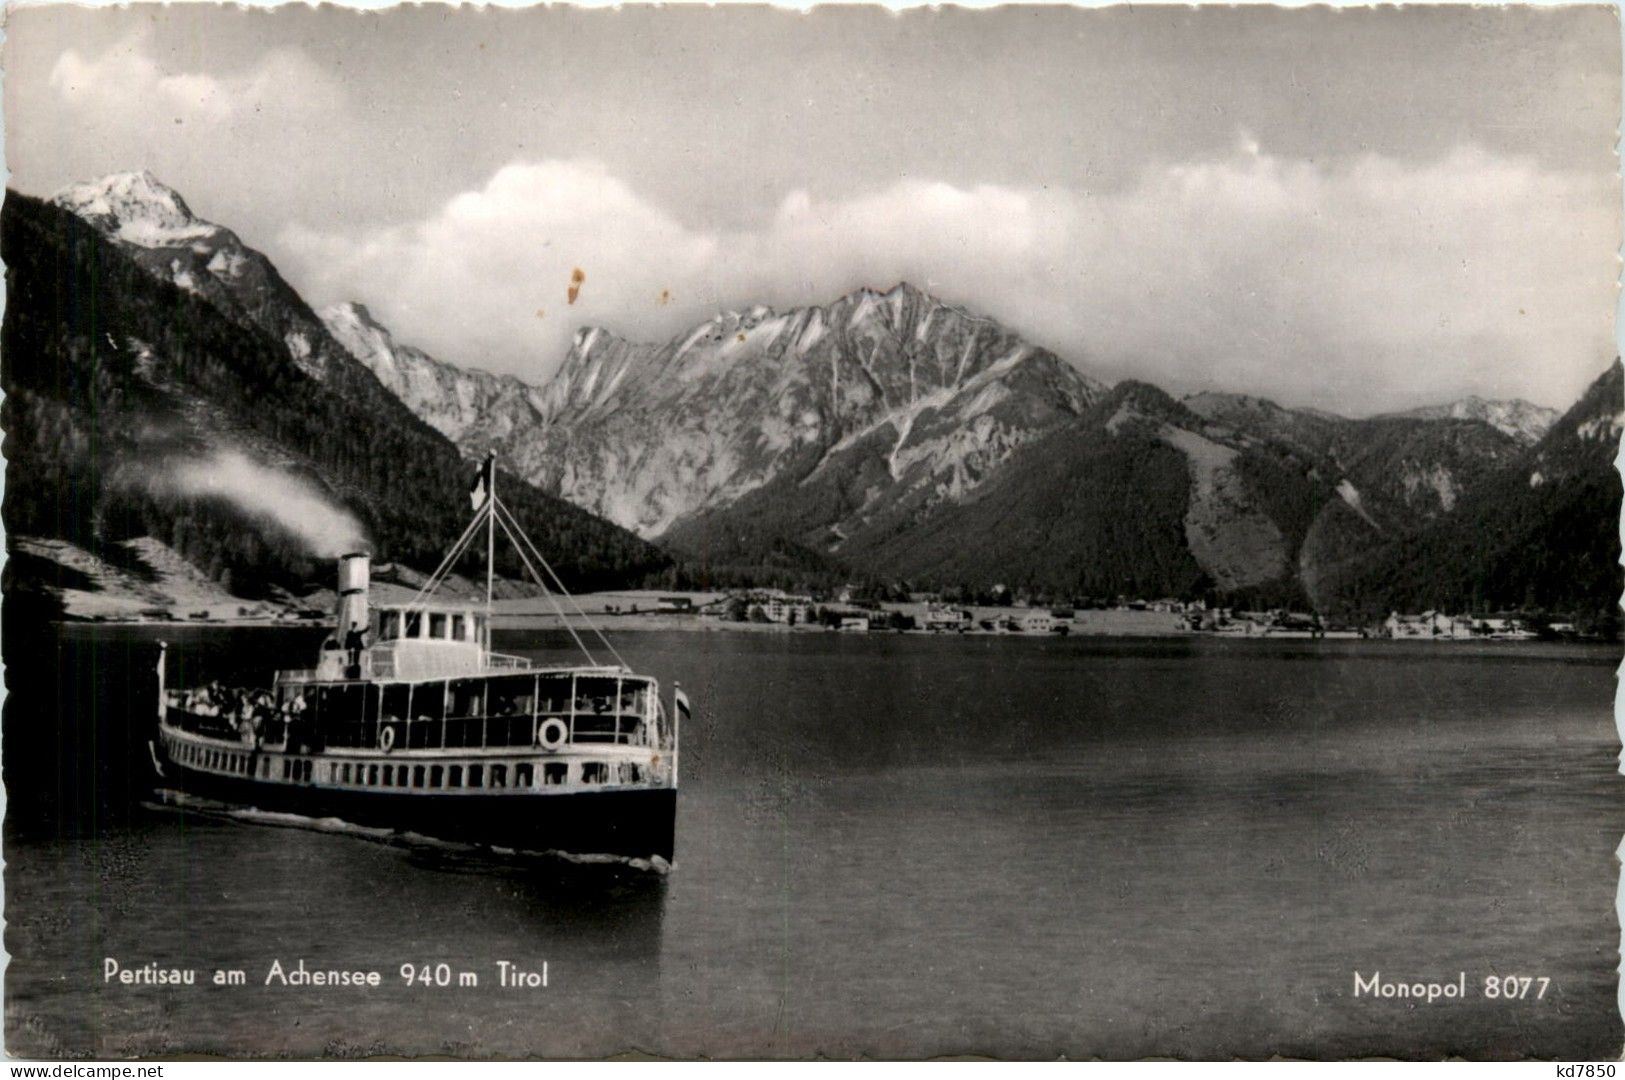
column 1356, row 282
column 238, row 142
column 126, row 88
column 1359, row 284
column 487, row 279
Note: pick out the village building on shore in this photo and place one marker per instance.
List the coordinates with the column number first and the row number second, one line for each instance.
column 947, row 620
column 1435, row 625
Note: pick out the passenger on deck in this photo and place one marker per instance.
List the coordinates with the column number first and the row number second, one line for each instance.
column 355, row 639
column 295, row 708
column 261, row 709
column 210, row 698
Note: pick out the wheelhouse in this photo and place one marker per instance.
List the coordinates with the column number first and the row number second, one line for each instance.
column 409, row 623
column 418, row 641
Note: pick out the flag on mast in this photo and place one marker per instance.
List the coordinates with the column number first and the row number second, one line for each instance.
column 480, row 489
column 680, row 699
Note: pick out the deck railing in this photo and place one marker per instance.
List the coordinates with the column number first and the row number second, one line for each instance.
column 383, row 667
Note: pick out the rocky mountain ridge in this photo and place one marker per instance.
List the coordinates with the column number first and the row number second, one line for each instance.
column 589, row 433
column 890, row 435
column 737, row 445
column 477, row 410
column 650, row 435
column 1524, row 421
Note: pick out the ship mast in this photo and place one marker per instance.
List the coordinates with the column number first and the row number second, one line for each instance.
column 492, row 514
column 490, row 541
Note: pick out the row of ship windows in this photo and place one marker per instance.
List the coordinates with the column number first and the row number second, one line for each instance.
column 553, row 773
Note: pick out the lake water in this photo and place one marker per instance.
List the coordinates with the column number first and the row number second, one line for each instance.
column 890, row 846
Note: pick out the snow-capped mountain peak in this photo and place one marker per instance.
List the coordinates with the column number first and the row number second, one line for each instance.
column 153, row 224
column 136, row 207
column 930, row 396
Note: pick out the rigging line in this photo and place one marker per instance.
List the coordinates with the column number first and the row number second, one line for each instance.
column 451, row 557
column 503, row 511
column 424, row 596
column 445, row 564
column 564, row 618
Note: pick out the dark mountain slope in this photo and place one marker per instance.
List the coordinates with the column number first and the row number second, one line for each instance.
column 1542, row 533
column 1132, row 497
column 113, row 373
column 1134, row 494
column 1403, row 470
column 1077, row 513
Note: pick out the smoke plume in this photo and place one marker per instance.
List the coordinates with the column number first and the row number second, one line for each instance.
column 296, row 505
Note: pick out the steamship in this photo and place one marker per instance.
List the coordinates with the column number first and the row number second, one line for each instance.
column 410, row 721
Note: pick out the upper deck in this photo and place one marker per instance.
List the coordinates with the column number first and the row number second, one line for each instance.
column 494, row 711
column 411, row 642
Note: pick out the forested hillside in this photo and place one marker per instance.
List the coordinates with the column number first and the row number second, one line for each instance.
column 112, row 375
column 1542, row 534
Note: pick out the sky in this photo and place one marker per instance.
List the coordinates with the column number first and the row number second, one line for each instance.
column 1358, row 210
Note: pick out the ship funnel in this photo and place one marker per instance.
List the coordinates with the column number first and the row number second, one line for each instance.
column 354, row 577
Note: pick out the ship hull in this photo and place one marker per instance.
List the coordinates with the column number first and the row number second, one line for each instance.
column 627, row 822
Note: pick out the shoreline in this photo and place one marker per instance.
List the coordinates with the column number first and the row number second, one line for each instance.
column 655, row 623
column 646, row 611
